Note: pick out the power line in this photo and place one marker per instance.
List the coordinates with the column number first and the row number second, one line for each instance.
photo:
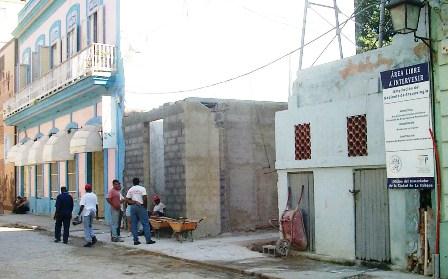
column 254, row 70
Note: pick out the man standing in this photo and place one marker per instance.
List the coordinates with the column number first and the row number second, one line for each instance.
column 137, row 199
column 63, row 215
column 89, row 209
column 114, row 201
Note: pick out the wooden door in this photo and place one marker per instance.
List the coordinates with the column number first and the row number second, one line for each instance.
column 98, row 180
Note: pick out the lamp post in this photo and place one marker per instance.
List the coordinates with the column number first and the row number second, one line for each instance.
column 405, row 15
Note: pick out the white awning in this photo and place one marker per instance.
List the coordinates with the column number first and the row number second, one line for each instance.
column 57, row 148
column 36, row 151
column 86, row 139
column 22, row 154
column 12, row 153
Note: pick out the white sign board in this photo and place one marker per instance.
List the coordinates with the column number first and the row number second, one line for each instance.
column 407, row 121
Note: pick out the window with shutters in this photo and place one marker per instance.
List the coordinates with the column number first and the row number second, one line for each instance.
column 39, row 181
column 72, row 43
column 54, row 180
column 54, row 57
column 71, row 175
column 93, row 22
column 26, row 181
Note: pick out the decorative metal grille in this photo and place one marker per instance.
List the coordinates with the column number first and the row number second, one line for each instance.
column 303, row 141
column 357, row 135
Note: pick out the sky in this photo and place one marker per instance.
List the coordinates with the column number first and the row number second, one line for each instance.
column 8, row 15
column 186, row 44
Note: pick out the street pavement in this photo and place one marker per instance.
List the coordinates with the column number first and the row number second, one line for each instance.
column 228, row 253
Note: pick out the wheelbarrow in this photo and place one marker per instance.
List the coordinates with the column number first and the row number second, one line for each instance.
column 183, row 228
column 158, row 223
column 293, row 229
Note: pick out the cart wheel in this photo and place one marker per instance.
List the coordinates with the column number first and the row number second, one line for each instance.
column 282, row 247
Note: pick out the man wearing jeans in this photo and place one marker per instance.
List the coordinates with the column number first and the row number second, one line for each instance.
column 114, row 201
column 89, row 209
column 63, row 215
column 137, row 199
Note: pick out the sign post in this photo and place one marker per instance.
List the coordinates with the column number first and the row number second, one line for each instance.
column 407, row 120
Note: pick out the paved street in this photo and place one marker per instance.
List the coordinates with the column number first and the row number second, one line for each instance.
column 33, row 254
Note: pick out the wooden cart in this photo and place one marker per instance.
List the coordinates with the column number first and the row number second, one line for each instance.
column 183, row 228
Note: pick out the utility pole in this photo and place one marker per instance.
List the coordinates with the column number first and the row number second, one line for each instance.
column 309, row 5
column 338, row 30
column 381, row 27
column 302, row 43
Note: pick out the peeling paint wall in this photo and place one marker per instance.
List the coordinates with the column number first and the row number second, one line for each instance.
column 325, row 96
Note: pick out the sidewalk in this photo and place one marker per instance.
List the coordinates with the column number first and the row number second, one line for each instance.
column 226, row 252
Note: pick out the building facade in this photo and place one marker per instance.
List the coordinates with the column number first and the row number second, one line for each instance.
column 331, row 143
column 8, row 58
column 68, row 107
column 439, row 42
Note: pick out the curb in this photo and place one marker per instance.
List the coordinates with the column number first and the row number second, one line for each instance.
column 200, row 263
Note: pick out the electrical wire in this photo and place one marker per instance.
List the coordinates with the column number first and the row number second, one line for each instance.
column 354, row 14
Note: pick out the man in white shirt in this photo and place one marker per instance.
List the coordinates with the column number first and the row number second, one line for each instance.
column 89, row 209
column 159, row 207
column 137, row 200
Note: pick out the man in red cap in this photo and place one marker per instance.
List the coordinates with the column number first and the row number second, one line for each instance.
column 159, row 207
column 89, row 209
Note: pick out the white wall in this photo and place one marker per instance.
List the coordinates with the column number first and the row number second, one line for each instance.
column 325, row 96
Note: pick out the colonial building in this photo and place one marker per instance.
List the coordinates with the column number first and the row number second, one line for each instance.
column 7, row 178
column 67, row 108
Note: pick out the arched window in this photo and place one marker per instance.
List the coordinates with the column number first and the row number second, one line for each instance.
column 55, row 44
column 72, row 31
column 95, row 21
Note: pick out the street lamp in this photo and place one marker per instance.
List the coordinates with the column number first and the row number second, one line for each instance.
column 405, row 15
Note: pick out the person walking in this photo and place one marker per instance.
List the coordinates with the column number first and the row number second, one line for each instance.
column 89, row 209
column 114, row 201
column 63, row 215
column 138, row 200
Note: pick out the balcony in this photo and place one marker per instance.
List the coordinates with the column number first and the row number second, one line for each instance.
column 96, row 60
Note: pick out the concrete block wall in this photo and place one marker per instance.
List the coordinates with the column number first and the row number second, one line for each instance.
column 174, row 155
column 249, row 158
column 202, row 157
column 134, row 157
column 219, row 158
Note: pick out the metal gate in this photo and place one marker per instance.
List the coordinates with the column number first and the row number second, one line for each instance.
column 295, row 181
column 372, row 215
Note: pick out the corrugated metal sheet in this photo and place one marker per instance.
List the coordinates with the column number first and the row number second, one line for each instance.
column 296, row 180
column 372, row 215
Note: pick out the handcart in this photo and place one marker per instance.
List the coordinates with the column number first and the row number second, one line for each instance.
column 293, row 230
column 183, row 228
column 158, row 223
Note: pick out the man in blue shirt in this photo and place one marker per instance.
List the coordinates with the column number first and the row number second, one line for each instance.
column 63, row 215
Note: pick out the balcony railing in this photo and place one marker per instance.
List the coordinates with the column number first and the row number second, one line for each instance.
column 95, row 60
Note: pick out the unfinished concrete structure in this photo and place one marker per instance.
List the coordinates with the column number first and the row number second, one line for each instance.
column 207, row 158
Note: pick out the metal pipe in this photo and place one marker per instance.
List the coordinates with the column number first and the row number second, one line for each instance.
column 381, row 27
column 302, row 43
column 338, row 30
column 438, row 193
